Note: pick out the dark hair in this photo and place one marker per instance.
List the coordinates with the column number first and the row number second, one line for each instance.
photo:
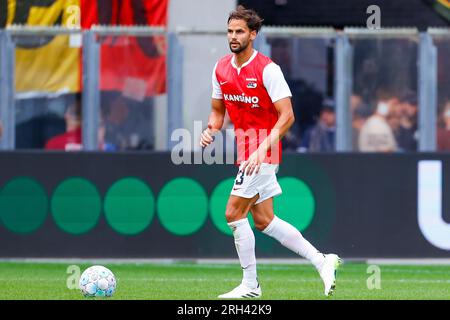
column 383, row 94
column 254, row 22
column 327, row 105
column 409, row 97
column 74, row 105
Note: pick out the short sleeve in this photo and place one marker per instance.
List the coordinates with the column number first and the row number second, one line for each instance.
column 216, row 91
column 275, row 83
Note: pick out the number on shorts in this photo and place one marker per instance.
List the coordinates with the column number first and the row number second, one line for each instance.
column 240, row 178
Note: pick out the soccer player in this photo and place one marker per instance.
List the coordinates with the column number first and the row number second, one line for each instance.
column 253, row 90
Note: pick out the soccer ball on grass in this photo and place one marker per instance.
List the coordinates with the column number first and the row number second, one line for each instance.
column 97, row 281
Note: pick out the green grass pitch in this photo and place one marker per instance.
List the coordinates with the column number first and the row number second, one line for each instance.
column 182, row 281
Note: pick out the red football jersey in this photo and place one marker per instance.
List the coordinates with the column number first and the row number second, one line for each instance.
column 248, row 93
column 68, row 141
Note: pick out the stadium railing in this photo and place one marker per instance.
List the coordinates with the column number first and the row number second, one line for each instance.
column 422, row 50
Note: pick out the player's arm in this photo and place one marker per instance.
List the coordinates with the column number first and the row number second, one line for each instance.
column 280, row 94
column 285, row 121
column 216, row 118
column 215, row 121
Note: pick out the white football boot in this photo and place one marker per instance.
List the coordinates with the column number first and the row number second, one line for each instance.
column 242, row 291
column 328, row 272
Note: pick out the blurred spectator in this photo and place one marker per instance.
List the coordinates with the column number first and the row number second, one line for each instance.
column 128, row 123
column 306, row 102
column 292, row 139
column 376, row 135
column 443, row 132
column 71, row 139
column 394, row 121
column 308, row 86
column 102, row 143
column 359, row 116
column 322, row 136
column 355, row 102
column 407, row 135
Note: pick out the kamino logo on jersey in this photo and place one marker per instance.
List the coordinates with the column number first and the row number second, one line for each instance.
column 241, row 98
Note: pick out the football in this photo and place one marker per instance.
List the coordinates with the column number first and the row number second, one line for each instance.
column 97, row 281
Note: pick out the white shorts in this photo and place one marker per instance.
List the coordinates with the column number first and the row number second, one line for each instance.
column 265, row 183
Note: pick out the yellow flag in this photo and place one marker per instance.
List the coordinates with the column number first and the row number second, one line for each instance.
column 46, row 64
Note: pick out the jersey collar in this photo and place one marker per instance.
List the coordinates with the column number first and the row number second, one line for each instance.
column 233, row 60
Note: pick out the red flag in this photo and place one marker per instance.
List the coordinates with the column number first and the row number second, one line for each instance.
column 135, row 66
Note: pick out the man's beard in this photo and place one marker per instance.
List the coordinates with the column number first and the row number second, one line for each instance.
column 240, row 48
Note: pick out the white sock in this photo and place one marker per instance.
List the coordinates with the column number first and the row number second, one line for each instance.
column 244, row 239
column 292, row 239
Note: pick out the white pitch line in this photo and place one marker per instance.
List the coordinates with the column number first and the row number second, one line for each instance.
column 150, row 279
column 285, row 261
column 424, row 261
